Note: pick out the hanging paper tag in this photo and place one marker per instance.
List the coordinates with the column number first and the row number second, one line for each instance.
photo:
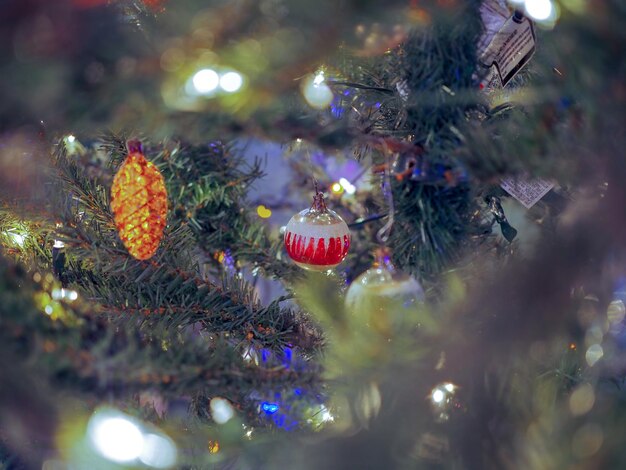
column 527, row 192
column 510, row 49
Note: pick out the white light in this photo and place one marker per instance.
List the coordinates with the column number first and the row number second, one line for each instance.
column 58, row 244
column 231, row 82
column 250, row 355
column 539, row 9
column 316, row 92
column 49, row 309
column 449, row 387
column 71, row 138
column 319, row 78
column 326, row 415
column 205, row 81
column 594, row 354
column 58, row 294
column 438, row 396
column 116, row 437
column 17, row 238
column 158, row 451
column 349, row 187
column 221, row 410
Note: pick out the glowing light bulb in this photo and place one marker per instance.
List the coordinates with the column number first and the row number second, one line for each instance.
column 539, row 9
column 316, row 92
column 438, row 396
column 205, row 81
column 158, row 451
column 449, row 387
column 231, row 82
column 221, row 410
column 349, row 187
column 269, row 408
column 71, row 138
column 336, row 188
column 115, row 436
column 326, row 415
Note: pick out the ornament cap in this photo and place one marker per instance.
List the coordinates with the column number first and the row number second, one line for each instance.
column 382, row 258
column 319, row 205
column 134, row 146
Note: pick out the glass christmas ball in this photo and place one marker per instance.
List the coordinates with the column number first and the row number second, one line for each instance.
column 317, row 239
column 383, row 288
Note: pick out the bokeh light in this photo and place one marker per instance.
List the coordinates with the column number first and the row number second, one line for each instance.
column 230, row 82
column 316, row 91
column 205, row 81
column 221, row 410
column 115, row 436
column 158, row 451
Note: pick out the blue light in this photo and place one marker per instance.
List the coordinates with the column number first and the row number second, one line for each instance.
column 265, row 355
column 269, row 408
column 297, row 391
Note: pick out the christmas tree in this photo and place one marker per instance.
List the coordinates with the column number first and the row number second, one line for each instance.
column 289, row 234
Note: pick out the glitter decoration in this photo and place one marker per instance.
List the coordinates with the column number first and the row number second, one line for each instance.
column 317, row 239
column 139, row 203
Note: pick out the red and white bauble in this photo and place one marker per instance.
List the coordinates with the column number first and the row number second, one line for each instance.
column 317, row 239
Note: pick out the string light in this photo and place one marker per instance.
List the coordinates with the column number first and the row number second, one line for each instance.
column 539, row 10
column 221, row 410
column 116, row 437
column 158, row 451
column 263, row 212
column 123, row 439
column 336, row 188
column 269, row 408
column 349, row 187
column 205, row 81
column 230, row 82
column 316, row 92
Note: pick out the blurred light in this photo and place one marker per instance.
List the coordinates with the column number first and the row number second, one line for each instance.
column 158, row 451
column 214, row 447
column 582, row 399
column 231, row 82
column 115, row 437
column 48, row 309
column 71, row 139
column 438, row 396
column 539, row 10
column 269, row 408
column 587, row 440
column 250, row 355
column 221, row 410
column 263, row 212
column 316, row 92
column 594, row 354
column 616, row 312
column 17, row 238
column 441, row 393
column 336, row 188
column 205, row 81
column 326, row 415
column 58, row 294
column 349, row 187
column 58, row 244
